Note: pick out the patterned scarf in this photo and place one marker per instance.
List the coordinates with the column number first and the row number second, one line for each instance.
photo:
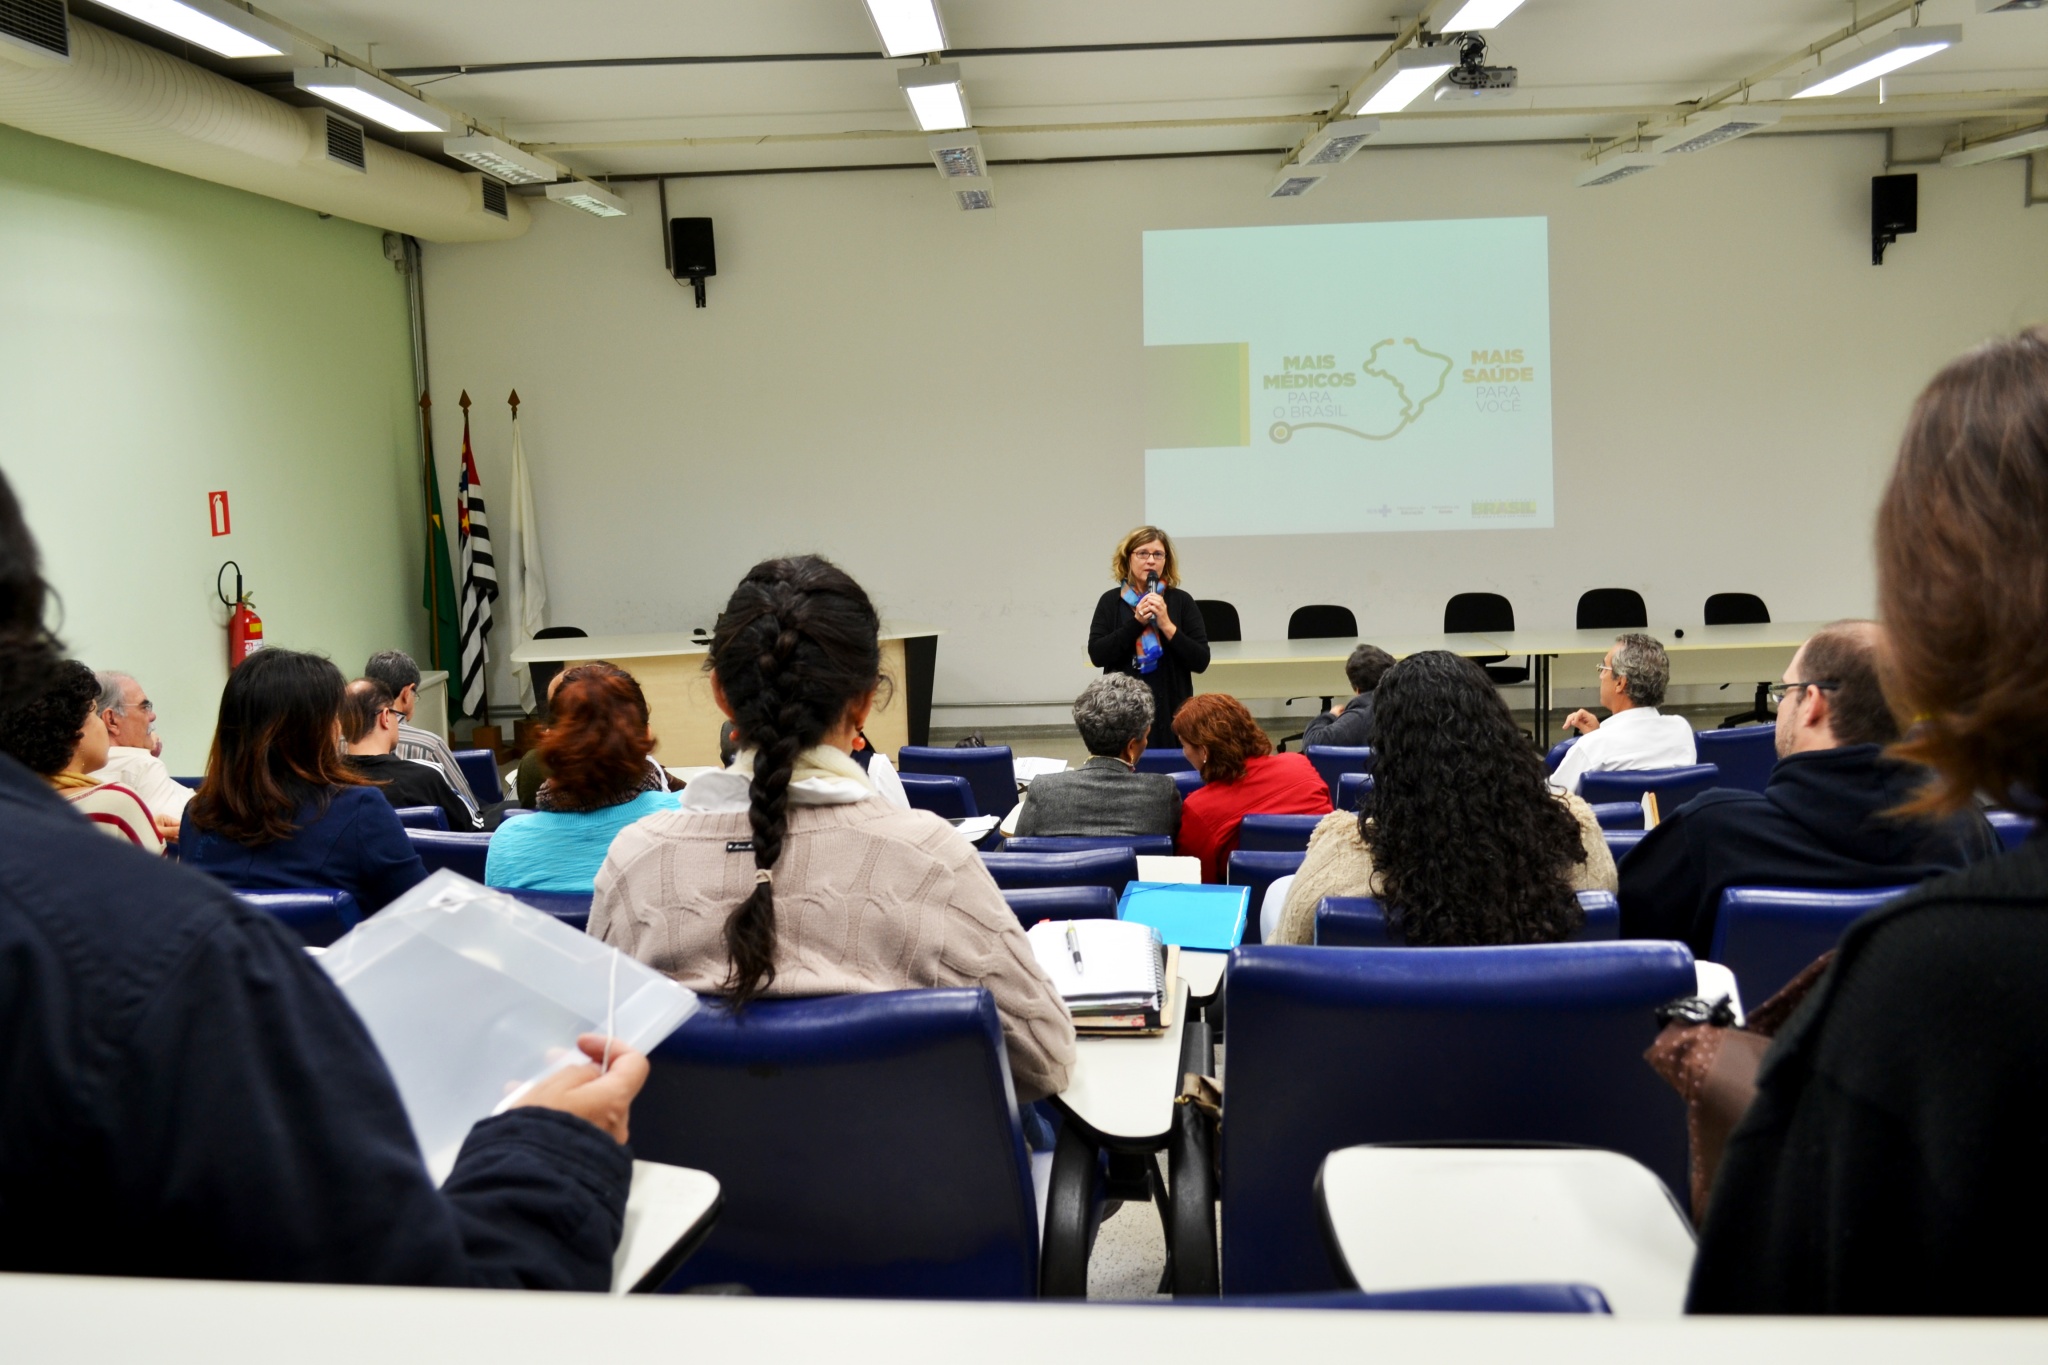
column 1149, row 648
column 547, row 798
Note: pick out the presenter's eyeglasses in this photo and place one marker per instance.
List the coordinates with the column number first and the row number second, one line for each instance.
column 1779, row 691
column 1148, row 554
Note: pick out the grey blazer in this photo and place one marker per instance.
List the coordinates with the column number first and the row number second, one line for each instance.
column 1102, row 796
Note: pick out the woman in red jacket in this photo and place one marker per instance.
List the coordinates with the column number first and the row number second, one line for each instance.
column 1241, row 775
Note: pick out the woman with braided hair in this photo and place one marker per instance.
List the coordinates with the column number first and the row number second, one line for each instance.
column 788, row 873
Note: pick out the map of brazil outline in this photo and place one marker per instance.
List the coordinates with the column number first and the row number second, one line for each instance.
column 1411, row 407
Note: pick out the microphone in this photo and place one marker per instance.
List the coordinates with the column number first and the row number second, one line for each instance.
column 1151, row 582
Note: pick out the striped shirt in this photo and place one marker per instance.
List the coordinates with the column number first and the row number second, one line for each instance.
column 118, row 811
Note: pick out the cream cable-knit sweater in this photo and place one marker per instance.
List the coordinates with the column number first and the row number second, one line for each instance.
column 867, row 898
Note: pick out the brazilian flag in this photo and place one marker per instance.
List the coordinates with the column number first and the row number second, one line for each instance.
column 437, row 594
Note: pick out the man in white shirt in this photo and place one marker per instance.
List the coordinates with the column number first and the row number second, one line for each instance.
column 1634, row 737
column 133, row 760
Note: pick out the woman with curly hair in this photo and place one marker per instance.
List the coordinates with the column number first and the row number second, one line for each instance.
column 1241, row 775
column 60, row 736
column 1461, row 837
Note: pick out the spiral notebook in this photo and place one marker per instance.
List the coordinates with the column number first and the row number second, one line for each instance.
column 1119, row 983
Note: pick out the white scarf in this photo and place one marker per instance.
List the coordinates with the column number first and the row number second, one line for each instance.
column 823, row 776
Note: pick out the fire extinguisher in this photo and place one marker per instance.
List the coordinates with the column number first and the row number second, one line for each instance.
column 245, row 627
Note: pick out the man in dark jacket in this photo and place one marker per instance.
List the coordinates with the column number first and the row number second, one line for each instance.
column 369, row 726
column 1348, row 724
column 1824, row 819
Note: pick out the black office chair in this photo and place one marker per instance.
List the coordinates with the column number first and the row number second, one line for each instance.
column 1613, row 609
column 1742, row 609
column 1319, row 621
column 544, row 673
column 1481, row 613
column 1219, row 619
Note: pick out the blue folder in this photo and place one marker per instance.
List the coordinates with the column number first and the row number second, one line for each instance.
column 1189, row 914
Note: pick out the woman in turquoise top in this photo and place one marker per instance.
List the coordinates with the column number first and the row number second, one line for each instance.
column 600, row 781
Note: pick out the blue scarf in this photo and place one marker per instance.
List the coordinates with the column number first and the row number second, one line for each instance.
column 1149, row 648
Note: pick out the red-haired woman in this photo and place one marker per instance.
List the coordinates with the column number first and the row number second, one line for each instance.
column 1241, row 775
column 599, row 781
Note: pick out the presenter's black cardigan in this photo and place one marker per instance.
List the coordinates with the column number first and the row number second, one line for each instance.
column 1113, row 642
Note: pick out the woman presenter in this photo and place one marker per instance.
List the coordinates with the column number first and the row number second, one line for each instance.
column 1147, row 627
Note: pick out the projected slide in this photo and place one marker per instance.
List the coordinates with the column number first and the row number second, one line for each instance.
column 1348, row 377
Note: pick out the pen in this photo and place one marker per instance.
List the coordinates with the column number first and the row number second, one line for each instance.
column 1074, row 947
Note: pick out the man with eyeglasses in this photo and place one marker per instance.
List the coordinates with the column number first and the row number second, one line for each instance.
column 369, row 726
column 1825, row 818
column 1635, row 736
column 136, row 758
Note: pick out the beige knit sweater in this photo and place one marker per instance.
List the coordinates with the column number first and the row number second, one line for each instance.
column 867, row 898
column 1339, row 865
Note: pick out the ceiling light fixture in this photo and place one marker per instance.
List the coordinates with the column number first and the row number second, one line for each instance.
column 936, row 97
column 1403, row 80
column 379, row 101
column 975, row 192
column 1617, row 168
column 499, row 158
column 1714, row 129
column 907, row 27
column 1900, row 47
column 1475, row 16
column 1335, row 142
column 214, row 25
column 1998, row 148
column 1295, row 181
column 957, row 155
column 591, row 199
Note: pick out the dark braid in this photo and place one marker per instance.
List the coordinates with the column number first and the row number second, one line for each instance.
column 797, row 644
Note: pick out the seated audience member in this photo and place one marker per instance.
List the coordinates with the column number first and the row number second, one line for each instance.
column 532, row 769
column 1347, row 724
column 1827, row 818
column 396, row 670
column 1635, row 736
column 1891, row 1162
column 1241, row 775
column 59, row 736
column 599, row 781
column 873, row 762
column 189, row 1095
column 787, row 874
column 1461, row 838
column 370, row 727
column 278, row 809
column 135, row 759
column 1106, row 795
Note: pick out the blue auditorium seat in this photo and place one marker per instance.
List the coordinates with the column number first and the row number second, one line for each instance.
column 459, row 851
column 1745, row 754
column 944, row 795
column 1164, row 761
column 570, row 907
column 192, row 782
column 1351, row 789
column 1114, row 868
column 990, row 770
column 1619, row 814
column 1767, row 935
column 480, row 766
column 318, row 915
column 423, row 817
column 1620, row 841
column 1361, row 921
column 1144, row 845
column 1330, row 1047
column 2013, row 828
column 1031, row 904
column 1674, row 786
column 1259, row 869
column 1477, row 1298
column 1557, row 752
column 1333, row 761
column 1188, row 782
column 1276, row 833
column 866, row 1146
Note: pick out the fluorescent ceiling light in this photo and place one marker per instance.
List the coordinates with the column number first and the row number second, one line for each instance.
column 2007, row 6
column 907, row 28
column 1474, row 16
column 1616, row 168
column 935, row 96
column 1403, row 80
column 592, row 199
column 957, row 155
column 977, row 192
column 1900, row 47
column 361, row 93
column 212, row 24
column 1295, row 181
column 499, row 158
column 1335, row 142
column 1714, row 129
column 1997, row 148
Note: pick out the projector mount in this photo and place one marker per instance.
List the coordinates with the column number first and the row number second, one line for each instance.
column 1472, row 78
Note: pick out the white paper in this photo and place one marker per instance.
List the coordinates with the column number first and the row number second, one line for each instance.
column 1029, row 769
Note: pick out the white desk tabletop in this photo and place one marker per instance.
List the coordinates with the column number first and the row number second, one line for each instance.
column 1776, row 635
column 1202, row 971
column 1240, row 652
column 657, row 643
column 1123, row 1088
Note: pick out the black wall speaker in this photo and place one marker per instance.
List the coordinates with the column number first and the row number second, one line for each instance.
column 1894, row 209
column 692, row 255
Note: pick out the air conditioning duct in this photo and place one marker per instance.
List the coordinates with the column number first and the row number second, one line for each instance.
column 131, row 100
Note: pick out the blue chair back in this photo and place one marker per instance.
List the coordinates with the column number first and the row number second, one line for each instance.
column 1361, row 921
column 459, row 851
column 1619, row 814
column 944, row 795
column 865, row 1145
column 1335, row 1046
column 990, row 771
column 480, row 767
column 1114, row 868
column 1351, row 789
column 570, row 907
column 1620, row 841
column 1557, row 752
column 2013, row 828
column 1164, row 761
column 423, row 817
column 1276, row 833
column 1144, row 845
column 1745, row 755
column 317, row 915
column 1767, row 935
column 1259, row 869
column 1335, row 760
column 192, row 782
column 1674, row 786
column 1188, row 782
column 1030, row 904
column 1477, row 1298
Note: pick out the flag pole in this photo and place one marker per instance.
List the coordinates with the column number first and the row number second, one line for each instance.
column 427, row 507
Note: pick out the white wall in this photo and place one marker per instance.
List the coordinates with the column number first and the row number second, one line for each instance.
column 949, row 403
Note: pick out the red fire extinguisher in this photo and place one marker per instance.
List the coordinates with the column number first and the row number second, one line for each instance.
column 245, row 627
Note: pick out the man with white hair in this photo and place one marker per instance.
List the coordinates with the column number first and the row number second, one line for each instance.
column 1635, row 736
column 135, row 759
